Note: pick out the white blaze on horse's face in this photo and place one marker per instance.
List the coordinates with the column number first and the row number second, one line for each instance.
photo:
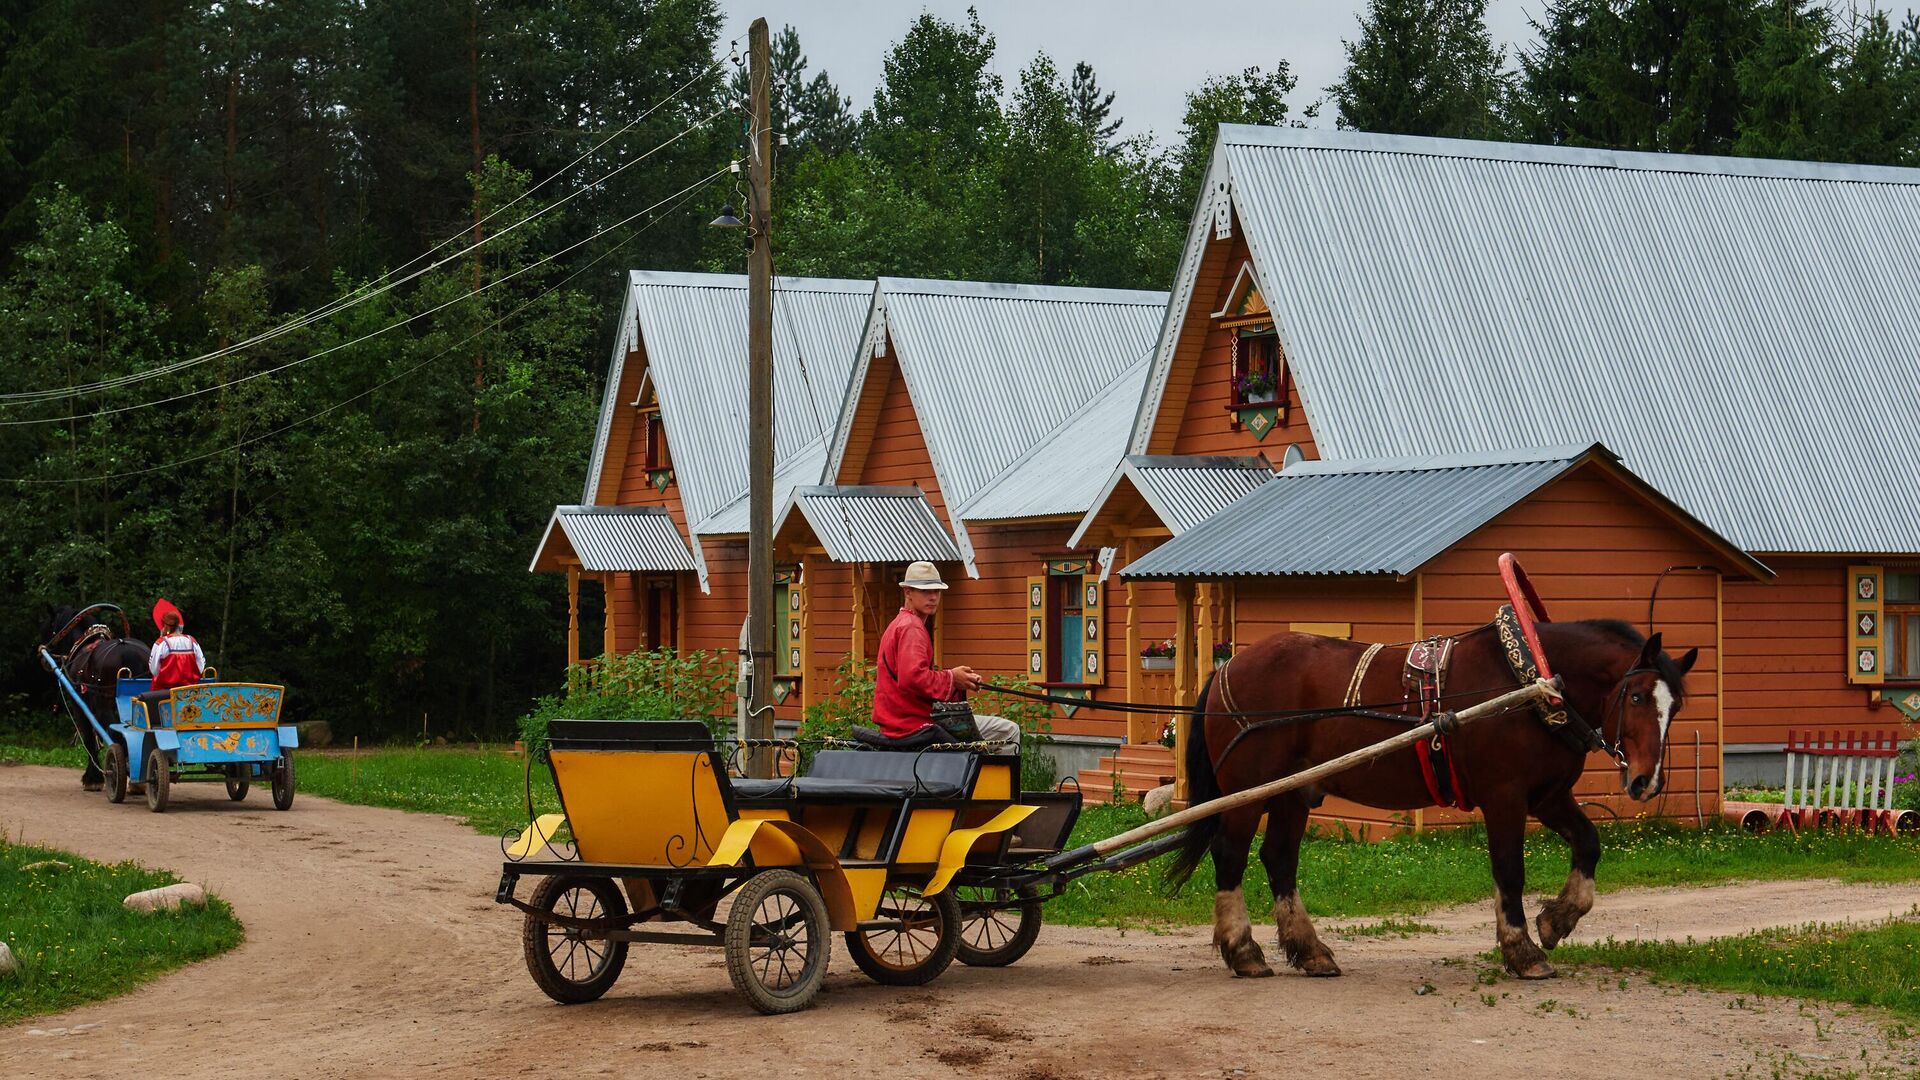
column 1663, row 698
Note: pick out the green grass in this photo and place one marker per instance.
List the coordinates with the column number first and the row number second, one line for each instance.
column 484, row 788
column 1877, row 965
column 76, row 943
column 1401, row 928
column 1411, row 874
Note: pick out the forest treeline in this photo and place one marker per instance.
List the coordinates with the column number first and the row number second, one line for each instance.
column 303, row 306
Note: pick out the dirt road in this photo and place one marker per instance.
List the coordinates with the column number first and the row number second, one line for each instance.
column 374, row 949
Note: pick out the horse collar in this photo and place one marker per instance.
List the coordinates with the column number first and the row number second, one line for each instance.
column 1560, row 717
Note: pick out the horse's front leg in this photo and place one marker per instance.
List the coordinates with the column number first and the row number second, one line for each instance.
column 1506, row 844
column 1286, row 823
column 1232, row 932
column 1560, row 915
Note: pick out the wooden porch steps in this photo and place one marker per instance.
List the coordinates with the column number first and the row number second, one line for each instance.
column 1141, row 767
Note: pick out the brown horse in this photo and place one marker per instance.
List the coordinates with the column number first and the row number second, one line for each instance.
column 1511, row 765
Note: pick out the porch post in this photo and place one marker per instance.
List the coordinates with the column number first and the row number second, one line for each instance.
column 1183, row 684
column 1139, row 725
column 1207, row 593
column 573, row 615
column 857, row 640
column 607, row 646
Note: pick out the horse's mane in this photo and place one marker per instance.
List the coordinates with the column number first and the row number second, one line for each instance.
column 1627, row 635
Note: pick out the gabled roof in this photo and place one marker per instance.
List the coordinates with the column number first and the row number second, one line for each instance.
column 1742, row 332
column 871, row 524
column 1180, row 492
column 1383, row 516
column 994, row 369
column 605, row 539
column 1060, row 474
column 693, row 328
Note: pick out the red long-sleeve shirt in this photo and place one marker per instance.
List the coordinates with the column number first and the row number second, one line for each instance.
column 906, row 684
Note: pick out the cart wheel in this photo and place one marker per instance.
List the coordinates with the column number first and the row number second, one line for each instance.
column 237, row 782
column 159, row 779
column 776, row 942
column 995, row 936
column 572, row 969
column 116, row 778
column 918, row 952
column 282, row 781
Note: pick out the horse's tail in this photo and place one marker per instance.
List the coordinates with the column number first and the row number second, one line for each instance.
column 1202, row 786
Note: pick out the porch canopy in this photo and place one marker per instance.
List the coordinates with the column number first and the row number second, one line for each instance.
column 1387, row 516
column 866, row 524
column 1170, row 492
column 612, row 539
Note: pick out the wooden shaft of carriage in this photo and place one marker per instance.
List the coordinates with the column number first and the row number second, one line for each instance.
column 1526, row 695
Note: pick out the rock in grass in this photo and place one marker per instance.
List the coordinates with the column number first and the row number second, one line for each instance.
column 8, row 965
column 1157, row 801
column 167, row 898
column 54, row 865
column 315, row 734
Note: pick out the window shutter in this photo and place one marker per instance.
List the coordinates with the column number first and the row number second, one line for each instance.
column 1039, row 634
column 1093, row 667
column 1866, row 652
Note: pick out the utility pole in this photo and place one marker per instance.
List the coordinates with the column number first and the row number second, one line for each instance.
column 760, row 401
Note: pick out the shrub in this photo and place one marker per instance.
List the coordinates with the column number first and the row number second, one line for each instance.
column 647, row 685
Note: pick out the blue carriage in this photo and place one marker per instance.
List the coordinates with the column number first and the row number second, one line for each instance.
column 229, row 732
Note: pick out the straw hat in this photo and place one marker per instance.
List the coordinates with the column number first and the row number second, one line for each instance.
column 922, row 575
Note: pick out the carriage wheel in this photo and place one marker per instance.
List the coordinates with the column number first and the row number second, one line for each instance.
column 998, row 935
column 116, row 778
column 159, row 780
column 237, row 782
column 283, row 781
column 776, row 942
column 571, row 968
column 920, row 949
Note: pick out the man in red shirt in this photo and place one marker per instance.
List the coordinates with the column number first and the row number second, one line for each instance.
column 907, row 684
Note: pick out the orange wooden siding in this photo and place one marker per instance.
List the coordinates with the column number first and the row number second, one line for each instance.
column 1786, row 655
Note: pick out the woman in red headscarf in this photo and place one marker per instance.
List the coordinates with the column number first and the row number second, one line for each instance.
column 176, row 659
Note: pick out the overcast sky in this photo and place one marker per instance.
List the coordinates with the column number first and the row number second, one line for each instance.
column 1149, row 53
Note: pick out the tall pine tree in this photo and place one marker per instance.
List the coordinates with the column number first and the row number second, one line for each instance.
column 1423, row 67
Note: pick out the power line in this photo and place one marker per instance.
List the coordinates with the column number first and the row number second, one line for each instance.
column 470, row 294
column 364, row 294
column 682, row 196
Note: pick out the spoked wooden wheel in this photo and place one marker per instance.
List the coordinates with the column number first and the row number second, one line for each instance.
column 159, row 780
column 776, row 941
column 992, row 935
column 916, row 951
column 283, row 781
column 116, row 773
column 569, row 966
column 237, row 782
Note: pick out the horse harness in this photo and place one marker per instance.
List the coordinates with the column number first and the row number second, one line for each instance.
column 1561, row 717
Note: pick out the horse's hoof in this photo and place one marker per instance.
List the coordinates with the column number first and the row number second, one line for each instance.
column 1537, row 970
column 1550, row 932
column 1261, row 972
column 1321, row 967
column 91, row 785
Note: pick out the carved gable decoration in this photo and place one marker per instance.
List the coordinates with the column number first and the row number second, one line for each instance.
column 1244, row 305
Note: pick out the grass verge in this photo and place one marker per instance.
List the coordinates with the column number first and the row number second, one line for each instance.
column 76, row 943
column 1875, row 965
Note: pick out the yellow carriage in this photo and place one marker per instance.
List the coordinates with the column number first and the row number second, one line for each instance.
column 877, row 844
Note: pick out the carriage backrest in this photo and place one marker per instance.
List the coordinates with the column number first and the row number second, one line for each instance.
column 894, row 773
column 637, row 792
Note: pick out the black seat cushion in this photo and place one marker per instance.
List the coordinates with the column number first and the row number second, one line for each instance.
column 919, row 739
column 759, row 790
column 887, row 774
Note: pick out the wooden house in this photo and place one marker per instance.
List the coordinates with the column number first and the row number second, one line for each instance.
column 1714, row 345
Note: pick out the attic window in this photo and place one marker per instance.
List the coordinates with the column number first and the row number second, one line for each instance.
column 1259, row 373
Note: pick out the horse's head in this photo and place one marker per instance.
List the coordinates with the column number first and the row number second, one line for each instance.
column 1639, row 710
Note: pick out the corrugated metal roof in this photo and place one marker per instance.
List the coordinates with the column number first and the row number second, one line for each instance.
column 873, row 524
column 802, row 467
column 694, row 328
column 1060, row 474
column 1743, row 333
column 626, row 539
column 1184, row 491
column 1320, row 518
column 993, row 369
